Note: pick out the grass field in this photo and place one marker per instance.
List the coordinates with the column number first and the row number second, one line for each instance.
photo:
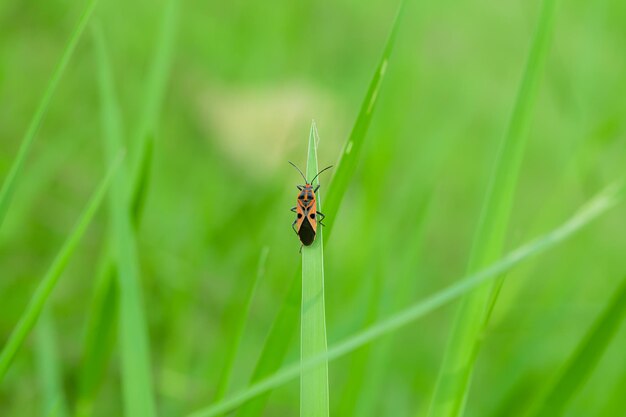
column 473, row 254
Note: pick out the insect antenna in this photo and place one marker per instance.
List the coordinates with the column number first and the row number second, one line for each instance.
column 303, row 177
column 318, row 174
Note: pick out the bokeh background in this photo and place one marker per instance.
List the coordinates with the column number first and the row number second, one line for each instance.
column 240, row 87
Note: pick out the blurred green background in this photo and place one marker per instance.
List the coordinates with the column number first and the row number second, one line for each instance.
column 241, row 85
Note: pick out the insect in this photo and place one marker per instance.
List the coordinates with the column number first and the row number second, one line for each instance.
column 305, row 224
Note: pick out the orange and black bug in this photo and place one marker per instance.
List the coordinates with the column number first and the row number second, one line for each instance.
column 305, row 224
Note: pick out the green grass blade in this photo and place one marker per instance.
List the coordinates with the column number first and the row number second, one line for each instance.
column 156, row 81
column 224, row 384
column 49, row 366
column 463, row 345
column 100, row 334
column 49, row 281
column 284, row 327
column 99, row 338
column 141, row 180
column 350, row 155
column 370, row 364
column 359, row 369
column 313, row 382
column 590, row 211
column 8, row 186
column 585, row 358
column 275, row 348
column 134, row 344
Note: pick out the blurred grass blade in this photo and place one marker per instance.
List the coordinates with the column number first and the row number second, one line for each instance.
column 370, row 364
column 100, row 334
column 141, row 180
column 8, row 186
column 584, row 360
column 134, row 344
column 275, row 348
column 102, row 321
column 156, row 80
column 349, row 158
column 49, row 281
column 463, row 344
column 591, row 210
column 285, row 325
column 224, row 384
column 314, row 382
column 99, row 338
column 49, row 366
column 356, row 387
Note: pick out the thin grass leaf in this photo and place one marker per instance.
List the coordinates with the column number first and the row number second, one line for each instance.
column 226, row 377
column 49, row 366
column 371, row 363
column 141, row 180
column 463, row 345
column 386, row 298
column 605, row 200
column 350, row 155
column 276, row 345
column 314, row 382
column 9, row 184
column 99, row 338
column 354, row 387
column 100, row 335
column 156, row 81
column 584, row 359
column 285, row 325
column 49, row 281
column 52, row 159
column 134, row 344
column 101, row 329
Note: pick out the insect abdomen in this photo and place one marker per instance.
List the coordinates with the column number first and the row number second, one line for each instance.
column 306, row 233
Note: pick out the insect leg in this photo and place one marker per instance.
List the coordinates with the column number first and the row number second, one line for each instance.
column 300, row 251
column 316, row 188
column 299, row 187
column 322, row 215
column 293, row 226
column 293, row 209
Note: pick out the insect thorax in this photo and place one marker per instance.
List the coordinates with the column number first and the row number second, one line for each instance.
column 306, row 195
